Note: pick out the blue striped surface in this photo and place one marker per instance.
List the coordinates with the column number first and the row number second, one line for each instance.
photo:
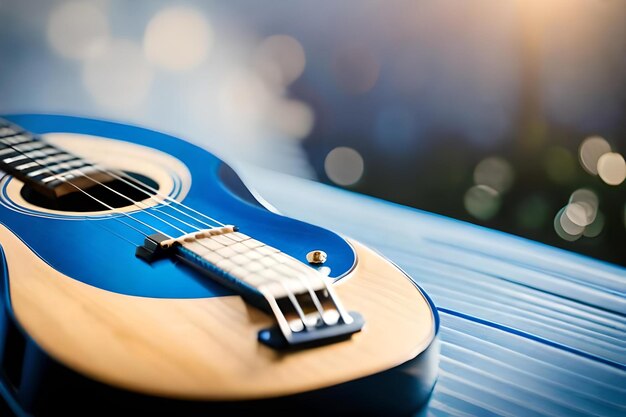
column 527, row 329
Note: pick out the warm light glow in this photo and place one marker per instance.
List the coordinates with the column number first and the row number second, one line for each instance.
column 78, row 29
column 582, row 207
column 177, row 39
column 579, row 214
column 494, row 172
column 482, row 202
column 292, row 118
column 243, row 100
column 569, row 226
column 344, row 166
column 612, row 168
column 119, row 78
column 590, row 151
column 580, row 217
column 280, row 59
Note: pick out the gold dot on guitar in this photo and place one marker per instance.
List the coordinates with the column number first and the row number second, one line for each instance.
column 316, row 257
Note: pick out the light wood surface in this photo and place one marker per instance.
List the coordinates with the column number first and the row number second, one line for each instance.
column 207, row 348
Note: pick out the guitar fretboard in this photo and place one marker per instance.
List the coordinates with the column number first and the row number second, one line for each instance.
column 255, row 264
column 44, row 167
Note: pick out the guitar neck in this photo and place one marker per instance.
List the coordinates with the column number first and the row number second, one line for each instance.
column 42, row 166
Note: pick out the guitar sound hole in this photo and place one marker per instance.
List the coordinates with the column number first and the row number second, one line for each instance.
column 81, row 202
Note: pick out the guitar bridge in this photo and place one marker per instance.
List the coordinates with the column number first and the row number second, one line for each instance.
column 307, row 311
column 324, row 321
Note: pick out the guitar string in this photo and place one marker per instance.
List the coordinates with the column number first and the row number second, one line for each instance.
column 127, row 182
column 78, row 170
column 156, row 191
column 133, row 202
column 60, row 178
column 66, row 165
column 161, row 197
column 136, row 203
column 291, row 295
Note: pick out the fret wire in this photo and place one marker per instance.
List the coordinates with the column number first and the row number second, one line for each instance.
column 31, row 154
column 67, row 175
column 29, row 146
column 50, row 159
column 215, row 257
column 6, row 150
column 15, row 139
column 76, row 163
column 7, row 131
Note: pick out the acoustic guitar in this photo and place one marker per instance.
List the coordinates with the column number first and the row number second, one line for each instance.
column 140, row 274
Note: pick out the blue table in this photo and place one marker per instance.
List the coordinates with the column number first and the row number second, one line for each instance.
column 527, row 329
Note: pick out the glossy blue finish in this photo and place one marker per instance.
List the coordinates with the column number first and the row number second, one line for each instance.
column 101, row 252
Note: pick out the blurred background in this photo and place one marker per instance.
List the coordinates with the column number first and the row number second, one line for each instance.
column 508, row 114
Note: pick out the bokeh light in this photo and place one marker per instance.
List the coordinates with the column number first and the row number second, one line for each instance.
column 280, row 59
column 178, row 39
column 292, row 118
column 119, row 78
column 243, row 99
column 582, row 207
column 590, row 151
column 569, row 226
column 482, row 202
column 565, row 228
column 494, row 172
column 423, row 90
column 578, row 214
column 580, row 217
column 344, row 165
column 612, row 168
column 78, row 29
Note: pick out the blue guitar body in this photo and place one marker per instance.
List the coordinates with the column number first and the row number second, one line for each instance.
column 83, row 317
column 215, row 189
